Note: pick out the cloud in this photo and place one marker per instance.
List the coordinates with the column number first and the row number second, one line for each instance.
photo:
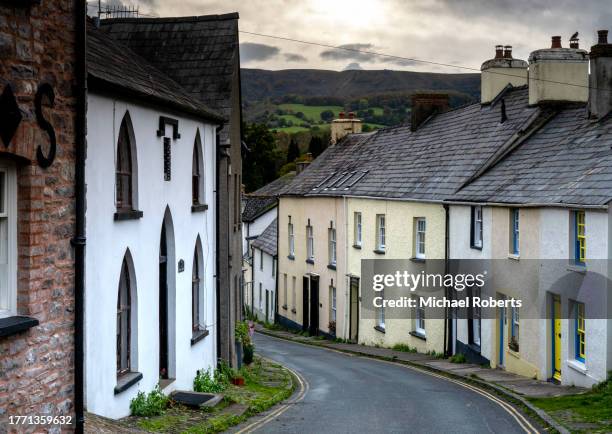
column 250, row 51
column 292, row 57
column 355, row 52
column 349, row 52
column 353, row 66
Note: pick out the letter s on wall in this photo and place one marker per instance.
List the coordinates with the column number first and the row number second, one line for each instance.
column 45, row 89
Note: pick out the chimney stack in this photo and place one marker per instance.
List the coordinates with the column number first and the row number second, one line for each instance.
column 499, row 72
column 558, row 74
column 499, row 51
column 600, row 83
column 424, row 105
column 343, row 126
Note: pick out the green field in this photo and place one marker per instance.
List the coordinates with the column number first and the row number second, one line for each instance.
column 312, row 112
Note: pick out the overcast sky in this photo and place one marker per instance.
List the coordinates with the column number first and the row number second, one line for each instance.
column 456, row 32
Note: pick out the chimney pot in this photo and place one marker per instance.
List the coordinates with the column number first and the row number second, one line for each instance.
column 499, row 51
column 602, row 36
column 351, row 115
column 341, row 115
column 556, row 42
column 508, row 52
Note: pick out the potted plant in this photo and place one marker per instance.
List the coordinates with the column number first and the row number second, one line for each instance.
column 238, row 380
column 332, row 328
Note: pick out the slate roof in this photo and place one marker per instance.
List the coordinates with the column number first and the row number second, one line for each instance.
column 267, row 240
column 201, row 52
column 568, row 162
column 429, row 164
column 112, row 66
column 260, row 201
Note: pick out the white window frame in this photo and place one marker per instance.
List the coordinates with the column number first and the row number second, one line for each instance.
column 8, row 214
column 333, row 303
column 332, row 245
column 291, row 238
column 380, row 232
column 419, row 323
column 358, row 229
column 310, row 242
column 420, row 238
column 477, row 227
column 476, row 319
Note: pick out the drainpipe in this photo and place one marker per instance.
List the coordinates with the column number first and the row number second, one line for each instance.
column 347, row 279
column 277, row 272
column 217, row 244
column 448, row 323
column 78, row 242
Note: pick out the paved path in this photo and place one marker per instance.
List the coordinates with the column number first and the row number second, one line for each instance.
column 349, row 394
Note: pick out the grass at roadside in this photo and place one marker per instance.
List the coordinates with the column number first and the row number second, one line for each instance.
column 586, row 412
column 266, row 384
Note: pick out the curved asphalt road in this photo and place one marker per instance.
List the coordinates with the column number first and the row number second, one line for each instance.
column 348, row 394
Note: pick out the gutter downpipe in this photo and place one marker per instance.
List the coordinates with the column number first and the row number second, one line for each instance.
column 347, row 279
column 217, row 244
column 448, row 323
column 79, row 240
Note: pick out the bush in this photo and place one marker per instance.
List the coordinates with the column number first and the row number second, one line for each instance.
column 404, row 348
column 152, row 404
column 458, row 358
column 247, row 357
column 206, row 382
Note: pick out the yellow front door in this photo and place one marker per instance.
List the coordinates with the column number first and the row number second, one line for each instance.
column 556, row 329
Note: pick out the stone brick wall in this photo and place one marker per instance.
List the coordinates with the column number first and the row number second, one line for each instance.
column 36, row 366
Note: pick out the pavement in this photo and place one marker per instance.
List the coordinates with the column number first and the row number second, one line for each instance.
column 508, row 386
column 343, row 393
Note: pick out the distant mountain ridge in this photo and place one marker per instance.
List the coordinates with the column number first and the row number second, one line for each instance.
column 260, row 84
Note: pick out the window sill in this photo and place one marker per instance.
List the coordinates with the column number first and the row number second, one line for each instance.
column 418, row 335
column 513, row 353
column 379, row 251
column 476, row 247
column 310, row 261
column 198, row 335
column 293, row 310
column 577, row 268
column 331, row 266
column 357, row 246
column 128, row 215
column 16, row 324
column 380, row 329
column 514, row 256
column 418, row 260
column 291, row 257
column 127, row 380
column 199, row 207
column 577, row 366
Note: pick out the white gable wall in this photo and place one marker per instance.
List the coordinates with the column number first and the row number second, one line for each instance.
column 108, row 240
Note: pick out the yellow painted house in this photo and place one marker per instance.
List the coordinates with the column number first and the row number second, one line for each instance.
column 381, row 196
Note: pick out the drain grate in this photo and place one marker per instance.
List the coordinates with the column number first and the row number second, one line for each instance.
column 195, row 399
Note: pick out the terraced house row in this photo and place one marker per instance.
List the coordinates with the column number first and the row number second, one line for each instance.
column 521, row 180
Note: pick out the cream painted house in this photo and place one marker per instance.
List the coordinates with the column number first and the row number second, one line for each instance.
column 380, row 196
